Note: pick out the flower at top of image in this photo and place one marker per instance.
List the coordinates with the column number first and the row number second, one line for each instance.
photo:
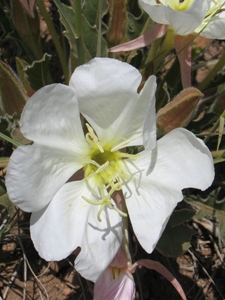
column 75, row 174
column 212, row 26
column 182, row 21
column 205, row 17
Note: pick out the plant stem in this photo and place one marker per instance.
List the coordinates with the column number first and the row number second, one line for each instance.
column 8, row 139
column 55, row 39
column 121, row 205
column 212, row 130
column 125, row 243
column 98, row 52
column 165, row 48
column 76, row 4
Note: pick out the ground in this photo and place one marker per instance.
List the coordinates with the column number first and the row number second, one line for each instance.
column 24, row 275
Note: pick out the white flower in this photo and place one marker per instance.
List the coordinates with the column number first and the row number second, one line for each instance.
column 183, row 16
column 213, row 24
column 116, row 282
column 201, row 16
column 68, row 214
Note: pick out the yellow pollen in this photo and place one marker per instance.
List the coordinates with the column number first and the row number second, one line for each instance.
column 115, row 272
column 179, row 5
column 92, row 138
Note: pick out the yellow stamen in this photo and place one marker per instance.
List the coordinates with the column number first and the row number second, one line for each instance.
column 179, row 5
column 92, row 138
column 125, row 142
column 104, row 167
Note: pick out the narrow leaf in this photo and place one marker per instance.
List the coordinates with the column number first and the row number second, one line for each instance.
column 8, row 139
column 21, row 65
column 221, row 128
column 37, row 72
column 29, row 6
column 156, row 266
column 12, row 93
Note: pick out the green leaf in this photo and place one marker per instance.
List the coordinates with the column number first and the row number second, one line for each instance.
column 210, row 202
column 8, row 123
column 21, row 66
column 5, row 22
column 38, row 72
column 3, row 162
column 67, row 18
column 93, row 12
column 175, row 239
column 218, row 103
column 19, row 138
column 8, row 139
column 90, row 10
column 91, row 38
column 2, row 187
column 210, row 207
column 218, row 156
column 12, row 93
column 221, row 129
column 180, row 216
column 6, row 203
column 4, row 199
column 90, row 29
column 138, row 23
column 28, row 29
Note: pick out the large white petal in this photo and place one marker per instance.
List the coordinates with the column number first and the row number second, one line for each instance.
column 149, row 128
column 51, row 117
column 160, row 11
column 35, row 173
column 150, row 205
column 215, row 29
column 183, row 22
column 139, row 117
column 181, row 161
column 107, row 94
column 70, row 222
column 104, row 83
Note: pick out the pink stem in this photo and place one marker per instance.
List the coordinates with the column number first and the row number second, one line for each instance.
column 183, row 46
column 154, row 265
column 158, row 31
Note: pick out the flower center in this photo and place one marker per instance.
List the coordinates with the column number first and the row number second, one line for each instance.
column 179, row 5
column 104, row 168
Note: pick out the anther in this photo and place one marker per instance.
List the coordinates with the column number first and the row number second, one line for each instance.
column 92, row 138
